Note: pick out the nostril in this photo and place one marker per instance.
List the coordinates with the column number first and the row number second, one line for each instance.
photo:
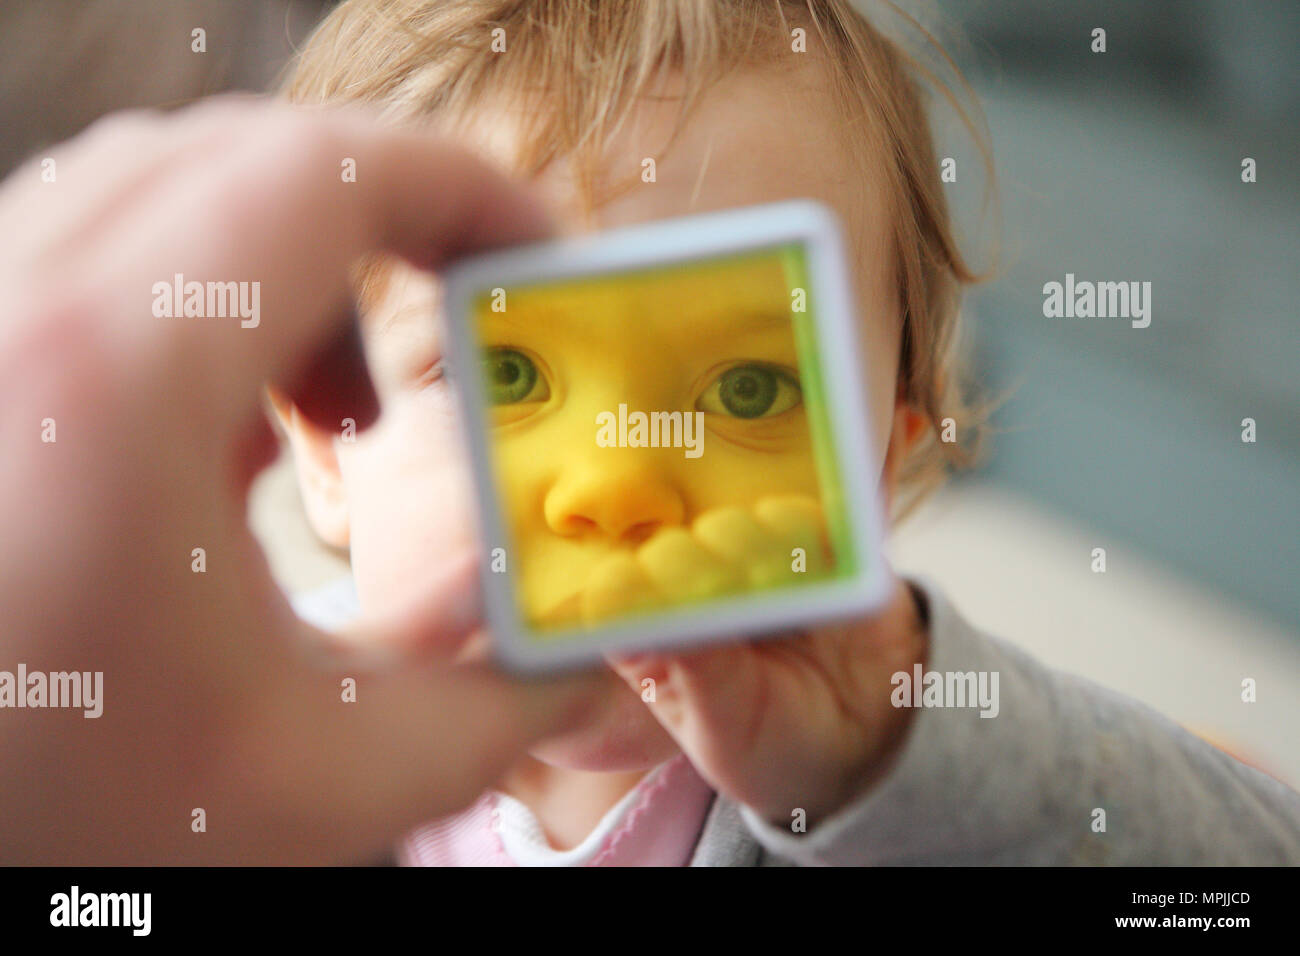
column 642, row 530
column 577, row 524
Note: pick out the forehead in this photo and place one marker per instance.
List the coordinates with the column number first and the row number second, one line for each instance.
column 751, row 283
column 760, row 134
column 689, row 306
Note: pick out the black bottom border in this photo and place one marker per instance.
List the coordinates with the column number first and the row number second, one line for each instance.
column 332, row 905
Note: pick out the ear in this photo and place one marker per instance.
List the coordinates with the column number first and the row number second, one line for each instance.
column 316, row 463
column 906, row 429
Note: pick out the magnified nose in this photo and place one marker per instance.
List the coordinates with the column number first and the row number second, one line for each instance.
column 621, row 503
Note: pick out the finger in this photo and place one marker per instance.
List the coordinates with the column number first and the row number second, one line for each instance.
column 711, row 689
column 682, row 569
column 717, row 683
column 277, row 212
column 69, row 194
column 738, row 538
column 637, row 667
column 300, row 224
column 797, row 522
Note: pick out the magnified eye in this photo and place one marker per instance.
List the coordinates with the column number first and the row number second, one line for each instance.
column 751, row 391
column 512, row 377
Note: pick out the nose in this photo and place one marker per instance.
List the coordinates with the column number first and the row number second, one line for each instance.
column 625, row 500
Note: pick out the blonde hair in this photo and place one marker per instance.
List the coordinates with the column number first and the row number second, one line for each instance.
column 588, row 61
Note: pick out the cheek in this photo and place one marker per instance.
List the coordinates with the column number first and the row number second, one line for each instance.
column 728, row 474
column 409, row 499
column 527, row 460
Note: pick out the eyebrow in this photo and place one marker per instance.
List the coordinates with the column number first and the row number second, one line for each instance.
column 761, row 319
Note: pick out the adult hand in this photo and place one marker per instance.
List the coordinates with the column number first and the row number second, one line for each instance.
column 130, row 440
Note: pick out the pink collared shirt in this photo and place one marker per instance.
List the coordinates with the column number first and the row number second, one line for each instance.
column 656, row 824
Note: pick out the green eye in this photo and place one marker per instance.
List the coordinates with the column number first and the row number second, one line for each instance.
column 511, row 377
column 751, row 391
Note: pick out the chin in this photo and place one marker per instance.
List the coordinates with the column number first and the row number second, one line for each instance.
column 621, row 735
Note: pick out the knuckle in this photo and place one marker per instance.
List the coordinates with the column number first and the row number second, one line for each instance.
column 726, row 522
column 287, row 164
column 306, row 143
column 55, row 341
column 112, row 128
column 120, row 121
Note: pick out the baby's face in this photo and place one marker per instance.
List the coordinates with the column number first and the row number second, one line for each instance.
column 628, row 406
column 404, row 485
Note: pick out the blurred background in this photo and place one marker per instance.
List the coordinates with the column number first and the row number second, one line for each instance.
column 1117, row 166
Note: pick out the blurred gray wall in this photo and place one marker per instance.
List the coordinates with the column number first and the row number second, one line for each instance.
column 1127, row 166
column 65, row 62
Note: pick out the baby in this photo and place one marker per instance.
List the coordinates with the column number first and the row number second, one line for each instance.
column 787, row 750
